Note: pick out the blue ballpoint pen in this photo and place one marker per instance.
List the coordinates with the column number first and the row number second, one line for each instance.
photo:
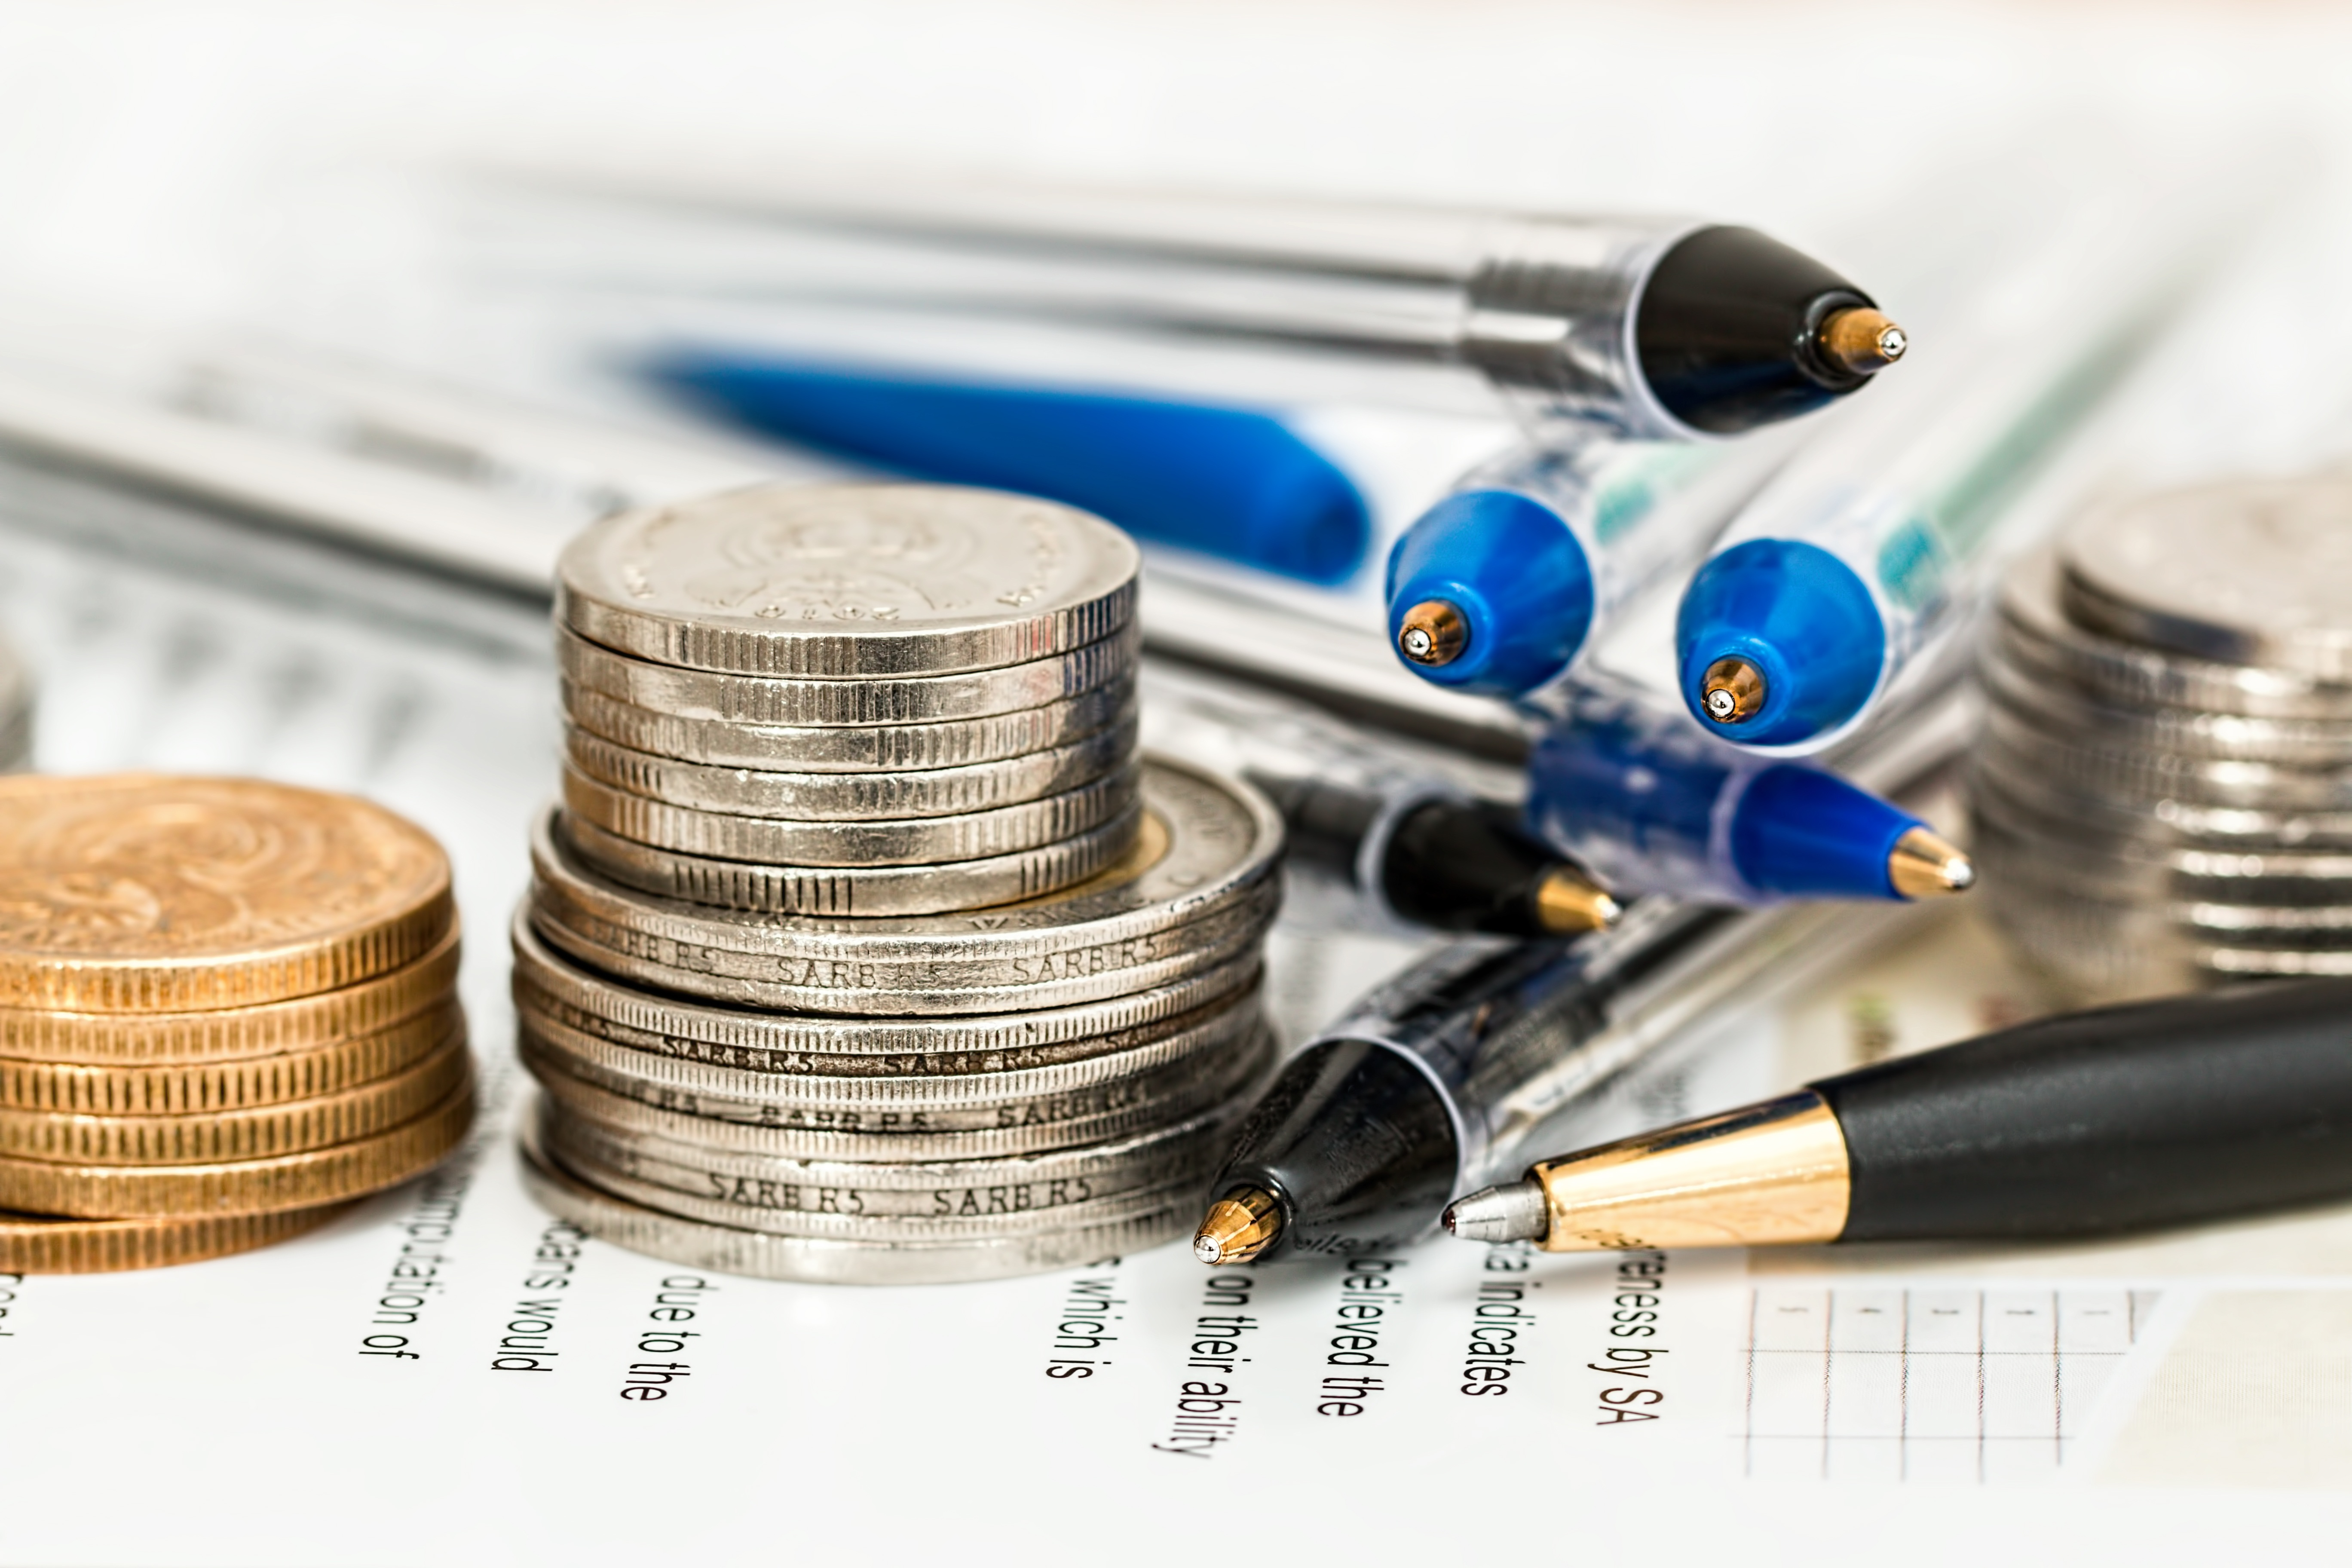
column 1824, row 592
column 1632, row 789
column 1235, row 483
column 1498, row 587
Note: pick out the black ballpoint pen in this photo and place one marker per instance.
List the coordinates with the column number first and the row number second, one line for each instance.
column 2114, row 1120
column 1405, row 842
column 1434, row 1084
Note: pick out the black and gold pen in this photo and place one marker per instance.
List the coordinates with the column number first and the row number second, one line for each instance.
column 2120, row 1118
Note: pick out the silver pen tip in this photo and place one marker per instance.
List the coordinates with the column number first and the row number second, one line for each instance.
column 1515, row 1211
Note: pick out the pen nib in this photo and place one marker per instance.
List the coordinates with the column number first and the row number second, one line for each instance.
column 1922, row 866
column 1732, row 691
column 1567, row 902
column 1432, row 633
column 1515, row 1211
column 1241, row 1224
column 1861, row 341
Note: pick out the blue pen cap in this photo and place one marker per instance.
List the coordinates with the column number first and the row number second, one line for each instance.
column 1800, row 833
column 1805, row 621
column 1514, row 570
column 1229, row 482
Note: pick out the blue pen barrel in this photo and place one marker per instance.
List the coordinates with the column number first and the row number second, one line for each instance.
column 1234, row 483
column 1634, row 792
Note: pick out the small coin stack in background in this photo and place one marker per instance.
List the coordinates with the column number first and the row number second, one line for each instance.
column 15, row 714
column 227, row 1008
column 864, row 947
column 2164, row 794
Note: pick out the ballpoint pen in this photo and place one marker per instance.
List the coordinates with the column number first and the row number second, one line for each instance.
column 1235, row 483
column 2123, row 1118
column 1629, row 786
column 1406, row 844
column 1656, row 327
column 1827, row 586
column 1500, row 585
column 1433, row 1085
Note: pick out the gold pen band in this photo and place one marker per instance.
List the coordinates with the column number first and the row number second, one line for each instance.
column 1772, row 1173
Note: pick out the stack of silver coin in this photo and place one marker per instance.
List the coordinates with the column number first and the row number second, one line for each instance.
column 2163, row 797
column 864, row 947
column 15, row 714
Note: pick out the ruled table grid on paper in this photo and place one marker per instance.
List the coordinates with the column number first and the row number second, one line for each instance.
column 1927, row 1385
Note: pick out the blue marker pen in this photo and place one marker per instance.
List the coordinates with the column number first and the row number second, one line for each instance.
column 1235, row 483
column 1631, row 789
column 1498, row 587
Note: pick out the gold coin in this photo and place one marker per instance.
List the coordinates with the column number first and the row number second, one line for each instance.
column 34, row 1244
column 244, row 1186
column 185, row 1089
column 249, row 1132
column 136, row 892
column 233, row 1034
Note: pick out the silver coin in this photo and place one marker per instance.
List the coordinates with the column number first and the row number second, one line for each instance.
column 846, row 581
column 837, row 1227
column 2308, row 742
column 2320, row 873
column 1206, row 895
column 2140, row 776
column 731, row 1250
column 858, row 891
column 2023, row 865
column 2103, row 948
column 2030, row 776
column 2032, row 632
column 941, row 1189
column 747, row 1095
column 901, row 841
column 895, row 1138
column 798, row 704
column 551, row 985
column 855, row 747
column 859, row 987
column 853, row 797
column 888, row 1105
column 2245, row 572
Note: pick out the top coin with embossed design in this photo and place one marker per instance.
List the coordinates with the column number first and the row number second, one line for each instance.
column 2252, row 574
column 134, row 892
column 838, row 581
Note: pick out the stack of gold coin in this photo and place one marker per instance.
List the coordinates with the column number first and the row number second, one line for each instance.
column 864, row 948
column 227, row 1008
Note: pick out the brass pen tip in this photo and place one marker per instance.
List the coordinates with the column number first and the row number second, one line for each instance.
column 1863, row 341
column 1433, row 632
column 1732, row 690
column 1567, row 901
column 1923, row 865
column 1240, row 1225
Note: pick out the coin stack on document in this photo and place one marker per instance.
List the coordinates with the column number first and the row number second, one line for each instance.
column 864, row 947
column 15, row 714
column 2164, row 795
column 227, row 1008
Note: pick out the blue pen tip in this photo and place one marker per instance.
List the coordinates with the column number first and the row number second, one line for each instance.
column 1489, row 591
column 1778, row 642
